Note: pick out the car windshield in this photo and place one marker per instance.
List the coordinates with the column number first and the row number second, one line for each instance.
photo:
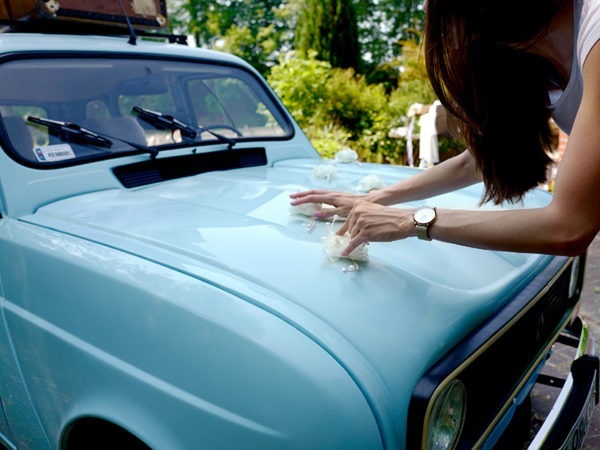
column 63, row 111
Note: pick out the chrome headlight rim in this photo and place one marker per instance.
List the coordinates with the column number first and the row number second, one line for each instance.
column 446, row 416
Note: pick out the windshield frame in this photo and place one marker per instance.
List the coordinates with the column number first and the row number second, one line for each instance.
column 265, row 93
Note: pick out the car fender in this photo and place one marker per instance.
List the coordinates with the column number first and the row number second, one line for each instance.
column 135, row 332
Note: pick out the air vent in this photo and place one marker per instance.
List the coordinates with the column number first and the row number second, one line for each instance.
column 162, row 169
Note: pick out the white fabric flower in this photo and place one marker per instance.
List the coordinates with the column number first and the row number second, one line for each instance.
column 334, row 245
column 306, row 209
column 370, row 182
column 346, row 155
column 325, row 172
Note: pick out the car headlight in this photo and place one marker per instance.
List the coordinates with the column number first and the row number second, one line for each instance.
column 447, row 417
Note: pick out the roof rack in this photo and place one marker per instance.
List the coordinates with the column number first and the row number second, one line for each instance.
column 46, row 26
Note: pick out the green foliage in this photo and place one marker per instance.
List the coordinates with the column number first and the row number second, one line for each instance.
column 252, row 47
column 328, row 138
column 301, row 84
column 309, row 51
column 254, row 30
column 342, row 26
column 330, row 28
column 383, row 24
column 413, row 84
column 337, row 108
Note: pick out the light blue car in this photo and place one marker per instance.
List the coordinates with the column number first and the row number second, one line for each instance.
column 158, row 291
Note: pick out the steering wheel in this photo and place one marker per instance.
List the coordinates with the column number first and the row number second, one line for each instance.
column 218, row 126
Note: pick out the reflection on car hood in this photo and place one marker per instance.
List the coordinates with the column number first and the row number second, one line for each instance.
column 235, row 229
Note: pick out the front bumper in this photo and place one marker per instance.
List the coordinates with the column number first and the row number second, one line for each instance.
column 567, row 422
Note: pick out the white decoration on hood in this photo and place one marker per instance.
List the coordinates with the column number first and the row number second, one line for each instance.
column 306, row 209
column 346, row 156
column 325, row 172
column 333, row 245
column 369, row 183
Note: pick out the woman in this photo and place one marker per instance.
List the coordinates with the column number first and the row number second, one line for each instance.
column 498, row 66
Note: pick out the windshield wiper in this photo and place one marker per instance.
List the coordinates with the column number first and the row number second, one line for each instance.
column 164, row 121
column 168, row 122
column 73, row 131
column 86, row 135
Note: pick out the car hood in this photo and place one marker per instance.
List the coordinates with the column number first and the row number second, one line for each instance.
column 385, row 323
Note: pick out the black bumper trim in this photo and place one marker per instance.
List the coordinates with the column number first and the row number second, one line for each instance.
column 584, row 371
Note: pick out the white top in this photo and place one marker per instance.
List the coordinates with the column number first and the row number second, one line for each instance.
column 587, row 31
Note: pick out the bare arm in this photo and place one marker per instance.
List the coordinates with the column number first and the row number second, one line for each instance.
column 450, row 175
column 572, row 219
column 566, row 226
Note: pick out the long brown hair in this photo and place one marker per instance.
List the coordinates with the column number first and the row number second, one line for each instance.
column 496, row 93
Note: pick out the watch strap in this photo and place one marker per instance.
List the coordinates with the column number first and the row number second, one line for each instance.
column 423, row 232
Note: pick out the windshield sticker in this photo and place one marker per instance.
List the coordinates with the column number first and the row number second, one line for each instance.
column 53, row 153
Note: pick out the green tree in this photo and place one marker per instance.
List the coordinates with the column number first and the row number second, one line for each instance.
column 337, row 108
column 301, row 83
column 255, row 30
column 384, row 25
column 337, row 103
column 330, row 28
column 363, row 34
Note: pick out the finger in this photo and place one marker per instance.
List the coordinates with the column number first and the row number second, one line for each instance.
column 342, row 230
column 305, row 193
column 302, row 200
column 353, row 244
column 349, row 225
column 313, row 198
column 351, row 221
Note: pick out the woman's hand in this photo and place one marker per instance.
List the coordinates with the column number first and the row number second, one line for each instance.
column 371, row 222
column 341, row 202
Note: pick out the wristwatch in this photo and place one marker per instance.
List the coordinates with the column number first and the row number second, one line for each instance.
column 424, row 218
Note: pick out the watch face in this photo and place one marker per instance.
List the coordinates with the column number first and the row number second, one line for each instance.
column 424, row 215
